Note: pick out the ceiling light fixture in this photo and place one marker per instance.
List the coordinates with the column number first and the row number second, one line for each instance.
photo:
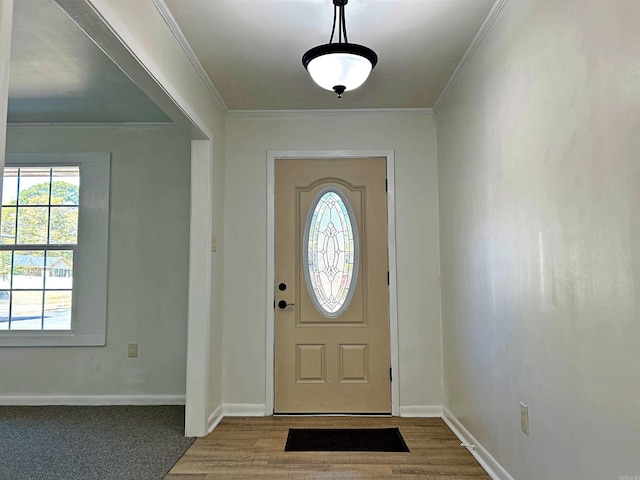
column 341, row 66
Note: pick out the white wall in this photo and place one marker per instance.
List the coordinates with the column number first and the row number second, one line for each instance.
column 412, row 136
column 147, row 269
column 539, row 178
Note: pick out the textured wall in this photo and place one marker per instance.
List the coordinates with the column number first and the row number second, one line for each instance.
column 540, row 231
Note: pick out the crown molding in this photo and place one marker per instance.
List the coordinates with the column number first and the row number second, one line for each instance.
column 93, row 125
column 466, row 58
column 186, row 47
column 333, row 112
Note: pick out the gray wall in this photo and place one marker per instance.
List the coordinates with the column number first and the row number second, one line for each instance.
column 539, row 180
column 148, row 269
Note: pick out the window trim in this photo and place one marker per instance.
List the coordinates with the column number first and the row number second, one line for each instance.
column 89, row 311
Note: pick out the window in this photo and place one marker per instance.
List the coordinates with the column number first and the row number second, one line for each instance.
column 39, row 236
column 53, row 249
column 330, row 249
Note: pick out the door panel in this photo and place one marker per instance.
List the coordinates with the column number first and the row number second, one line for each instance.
column 311, row 364
column 326, row 363
column 354, row 363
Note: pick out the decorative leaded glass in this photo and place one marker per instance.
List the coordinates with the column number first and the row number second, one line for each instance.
column 330, row 251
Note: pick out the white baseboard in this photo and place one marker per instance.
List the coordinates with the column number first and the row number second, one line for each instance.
column 490, row 464
column 38, row 400
column 214, row 419
column 259, row 410
column 432, row 411
column 234, row 410
column 243, row 409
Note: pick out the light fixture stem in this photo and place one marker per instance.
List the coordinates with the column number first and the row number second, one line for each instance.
column 338, row 14
column 333, row 30
column 344, row 23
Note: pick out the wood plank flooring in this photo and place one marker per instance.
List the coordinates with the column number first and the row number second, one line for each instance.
column 253, row 448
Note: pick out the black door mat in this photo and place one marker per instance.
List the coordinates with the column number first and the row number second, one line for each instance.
column 345, row 440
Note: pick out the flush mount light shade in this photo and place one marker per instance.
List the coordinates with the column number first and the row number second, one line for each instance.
column 339, row 67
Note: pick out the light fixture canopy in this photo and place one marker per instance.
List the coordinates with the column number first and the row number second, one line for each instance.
column 341, row 66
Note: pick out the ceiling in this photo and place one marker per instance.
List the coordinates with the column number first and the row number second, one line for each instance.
column 252, row 49
column 58, row 75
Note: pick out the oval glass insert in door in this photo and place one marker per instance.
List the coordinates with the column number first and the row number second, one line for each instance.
column 331, row 252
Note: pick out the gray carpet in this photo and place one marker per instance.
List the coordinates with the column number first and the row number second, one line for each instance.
column 90, row 443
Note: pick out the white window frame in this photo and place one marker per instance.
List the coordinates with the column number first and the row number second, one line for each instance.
column 89, row 308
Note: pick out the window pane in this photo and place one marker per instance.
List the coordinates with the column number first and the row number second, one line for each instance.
column 5, row 270
column 35, row 183
column 57, row 310
column 33, row 225
column 331, row 255
column 5, row 299
column 28, row 269
column 64, row 225
column 59, row 269
column 66, row 185
column 10, row 186
column 8, row 225
column 26, row 310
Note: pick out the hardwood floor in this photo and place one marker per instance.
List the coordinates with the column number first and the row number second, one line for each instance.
column 253, row 448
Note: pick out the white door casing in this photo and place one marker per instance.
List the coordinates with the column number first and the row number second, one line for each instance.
column 272, row 155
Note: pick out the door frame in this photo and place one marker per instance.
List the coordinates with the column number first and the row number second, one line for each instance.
column 272, row 156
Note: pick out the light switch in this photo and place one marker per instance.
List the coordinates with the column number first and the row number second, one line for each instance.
column 524, row 418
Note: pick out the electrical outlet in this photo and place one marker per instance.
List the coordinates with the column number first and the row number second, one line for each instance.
column 133, row 350
column 524, row 418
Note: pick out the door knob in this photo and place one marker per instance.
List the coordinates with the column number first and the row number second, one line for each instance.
column 282, row 304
